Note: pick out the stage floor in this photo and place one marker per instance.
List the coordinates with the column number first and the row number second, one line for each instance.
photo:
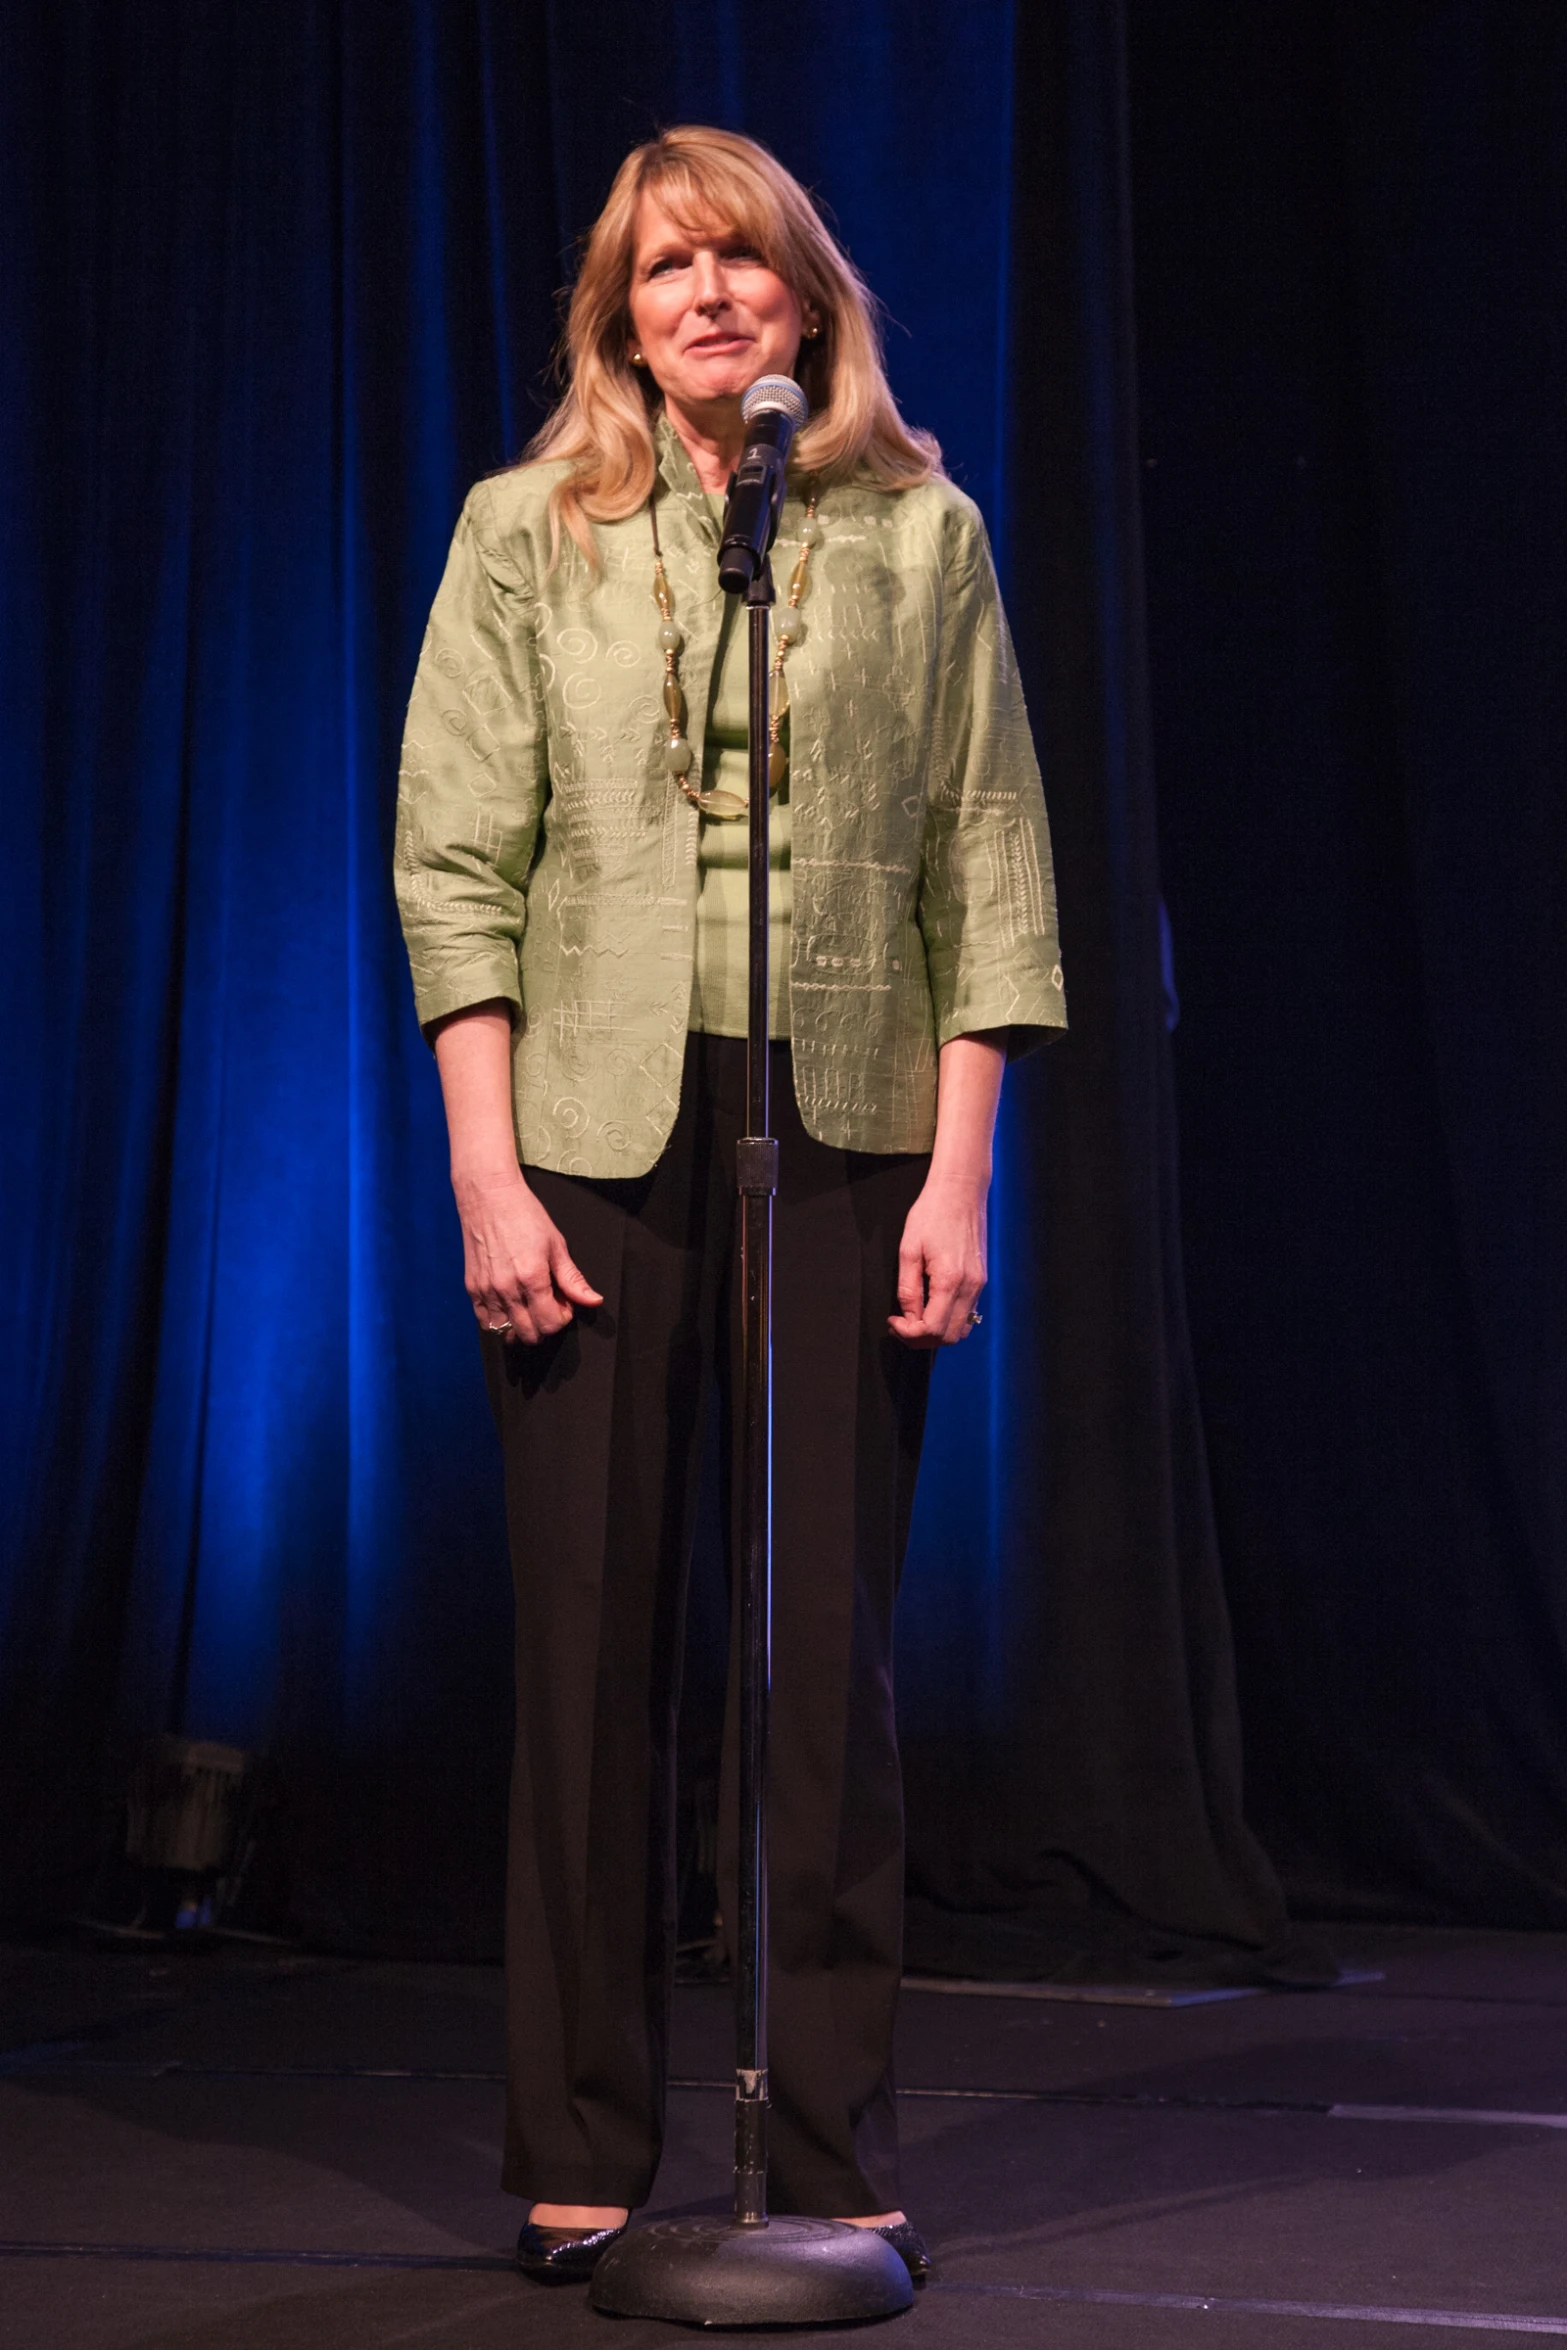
column 240, row 2152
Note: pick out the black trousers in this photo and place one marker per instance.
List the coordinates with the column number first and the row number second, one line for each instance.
column 601, row 1428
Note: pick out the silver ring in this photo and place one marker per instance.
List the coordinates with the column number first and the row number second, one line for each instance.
column 974, row 1319
column 495, row 1328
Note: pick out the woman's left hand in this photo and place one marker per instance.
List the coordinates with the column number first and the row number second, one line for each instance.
column 941, row 1264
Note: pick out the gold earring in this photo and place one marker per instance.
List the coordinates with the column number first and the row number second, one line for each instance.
column 637, row 359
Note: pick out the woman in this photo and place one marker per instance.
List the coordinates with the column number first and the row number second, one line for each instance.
column 571, row 871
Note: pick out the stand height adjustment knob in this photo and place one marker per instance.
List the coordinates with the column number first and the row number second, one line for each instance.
column 756, row 1164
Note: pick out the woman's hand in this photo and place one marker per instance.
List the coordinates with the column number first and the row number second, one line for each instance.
column 517, row 1268
column 941, row 1264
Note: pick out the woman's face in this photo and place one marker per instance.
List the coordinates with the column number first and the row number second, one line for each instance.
column 707, row 313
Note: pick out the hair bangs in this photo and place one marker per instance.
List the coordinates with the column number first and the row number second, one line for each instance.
column 703, row 192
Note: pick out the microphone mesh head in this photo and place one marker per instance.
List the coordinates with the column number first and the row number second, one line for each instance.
column 775, row 391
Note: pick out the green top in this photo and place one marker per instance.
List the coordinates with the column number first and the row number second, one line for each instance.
column 720, row 985
column 545, row 855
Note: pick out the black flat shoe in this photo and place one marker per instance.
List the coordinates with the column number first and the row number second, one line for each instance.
column 564, row 2256
column 910, row 2246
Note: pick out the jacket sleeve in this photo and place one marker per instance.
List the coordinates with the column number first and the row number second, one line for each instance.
column 986, row 904
column 474, row 778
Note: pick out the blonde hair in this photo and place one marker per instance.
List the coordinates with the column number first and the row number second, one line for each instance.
column 604, row 423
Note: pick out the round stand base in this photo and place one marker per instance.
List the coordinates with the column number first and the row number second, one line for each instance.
column 792, row 2272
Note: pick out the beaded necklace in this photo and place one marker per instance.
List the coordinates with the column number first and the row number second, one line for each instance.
column 728, row 805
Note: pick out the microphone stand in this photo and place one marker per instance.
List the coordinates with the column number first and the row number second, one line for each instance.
column 752, row 2270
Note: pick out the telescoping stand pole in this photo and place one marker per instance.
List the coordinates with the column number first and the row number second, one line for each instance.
column 756, row 1174
column 752, row 2270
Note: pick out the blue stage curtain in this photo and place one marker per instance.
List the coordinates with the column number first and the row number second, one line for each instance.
column 279, row 284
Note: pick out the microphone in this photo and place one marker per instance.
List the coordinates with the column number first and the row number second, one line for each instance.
column 772, row 410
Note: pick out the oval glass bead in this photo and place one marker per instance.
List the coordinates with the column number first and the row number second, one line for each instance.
column 725, row 804
column 778, row 690
column 670, row 637
column 810, row 532
column 777, row 766
column 674, row 703
column 677, row 756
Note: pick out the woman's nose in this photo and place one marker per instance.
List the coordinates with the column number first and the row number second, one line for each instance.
column 708, row 288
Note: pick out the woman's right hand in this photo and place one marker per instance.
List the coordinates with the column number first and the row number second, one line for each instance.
column 517, row 1268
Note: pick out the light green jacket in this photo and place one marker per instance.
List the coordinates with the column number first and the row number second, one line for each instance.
column 545, row 856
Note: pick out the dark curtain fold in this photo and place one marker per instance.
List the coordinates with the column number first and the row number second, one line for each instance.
column 1353, row 329
column 276, row 286
column 1092, row 1824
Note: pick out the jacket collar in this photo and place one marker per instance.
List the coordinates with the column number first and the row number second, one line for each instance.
column 678, row 475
